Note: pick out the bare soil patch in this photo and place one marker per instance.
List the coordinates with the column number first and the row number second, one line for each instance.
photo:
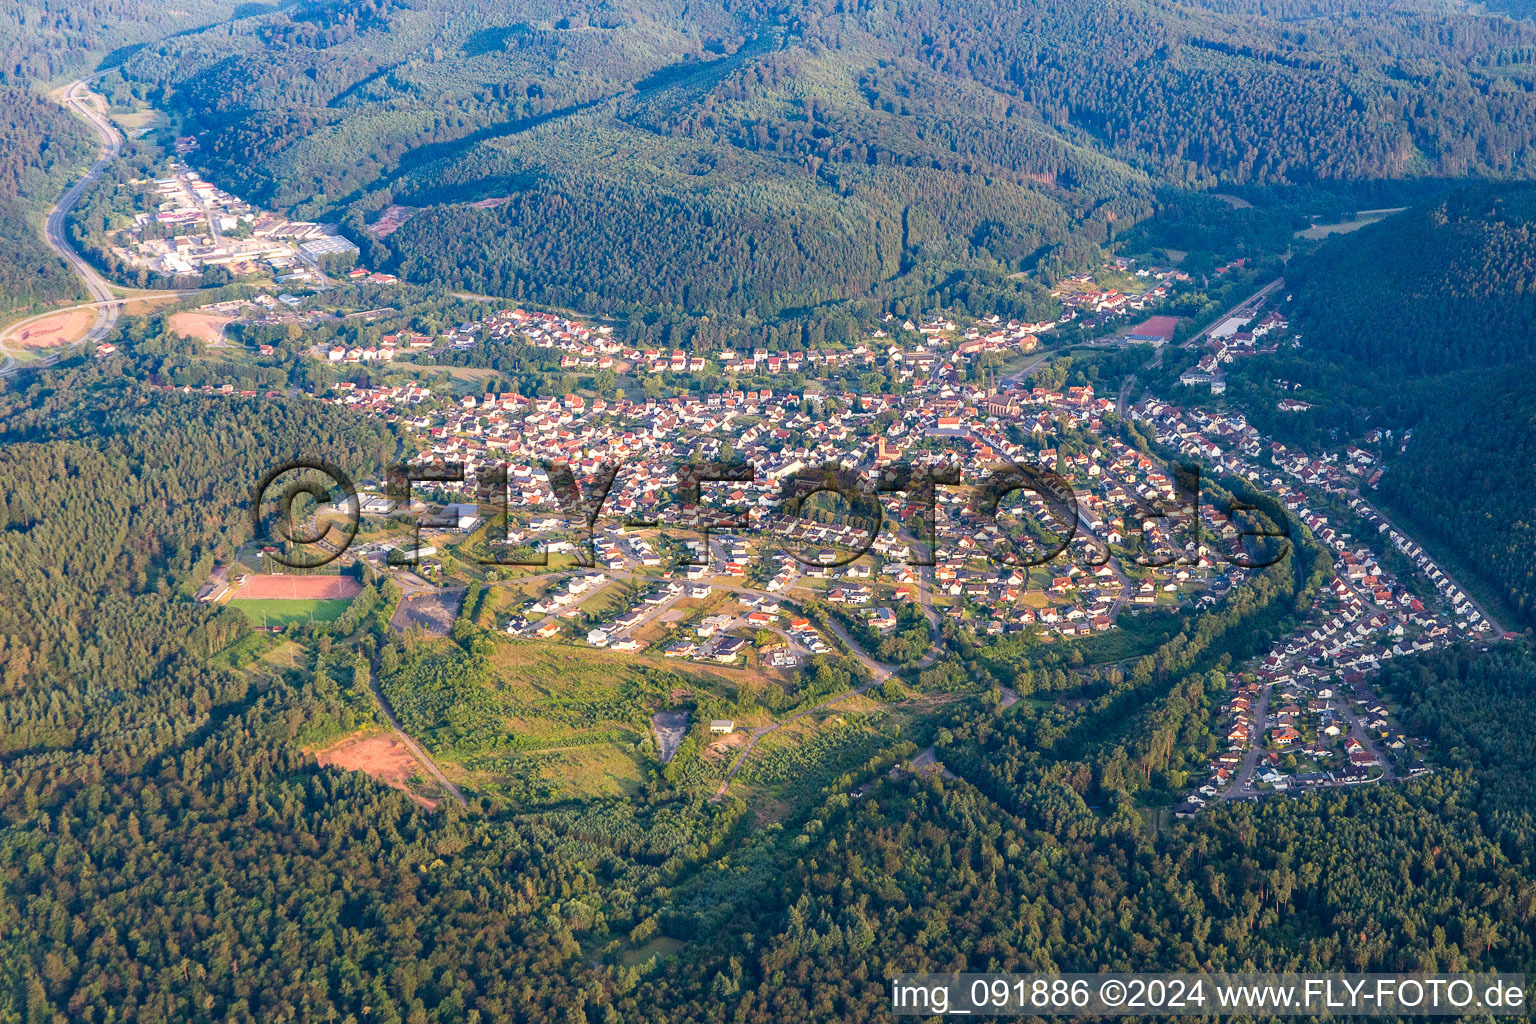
column 433, row 610
column 204, row 327
column 391, row 219
column 726, row 746
column 58, row 329
column 383, row 758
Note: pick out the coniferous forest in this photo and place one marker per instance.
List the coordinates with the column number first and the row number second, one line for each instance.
column 775, row 161
column 1423, row 325
column 40, row 145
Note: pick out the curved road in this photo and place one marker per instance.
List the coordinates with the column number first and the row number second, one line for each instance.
column 879, row 672
column 410, row 744
column 81, row 102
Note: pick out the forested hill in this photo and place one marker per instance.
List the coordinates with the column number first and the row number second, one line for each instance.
column 742, row 159
column 1444, row 286
column 47, row 40
column 1464, row 481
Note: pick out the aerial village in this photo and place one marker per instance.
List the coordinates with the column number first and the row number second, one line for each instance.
column 727, row 581
column 1305, row 716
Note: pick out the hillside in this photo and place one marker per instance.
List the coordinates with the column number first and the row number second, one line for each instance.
column 741, row 160
column 174, row 824
column 1425, row 322
column 49, row 40
column 1464, row 480
column 1447, row 285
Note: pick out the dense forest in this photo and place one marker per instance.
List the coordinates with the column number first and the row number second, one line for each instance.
column 170, row 849
column 1420, row 330
column 1447, row 285
column 1464, row 481
column 40, row 147
column 45, row 40
column 746, row 162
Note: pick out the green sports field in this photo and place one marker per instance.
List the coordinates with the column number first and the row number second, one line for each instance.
column 278, row 612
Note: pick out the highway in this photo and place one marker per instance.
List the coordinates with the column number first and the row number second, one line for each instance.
column 84, row 104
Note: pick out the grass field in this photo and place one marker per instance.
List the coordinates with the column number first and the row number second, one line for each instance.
column 268, row 612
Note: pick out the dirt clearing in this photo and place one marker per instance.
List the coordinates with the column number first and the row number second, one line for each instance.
column 204, row 327
column 726, row 746
column 58, row 329
column 434, row 611
column 381, row 757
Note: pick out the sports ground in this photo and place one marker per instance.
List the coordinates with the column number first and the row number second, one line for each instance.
column 281, row 600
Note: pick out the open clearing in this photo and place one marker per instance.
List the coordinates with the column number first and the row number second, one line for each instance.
column 140, row 122
column 1344, row 227
column 381, row 757
column 204, row 327
column 146, row 305
column 58, row 329
column 390, row 220
column 726, row 746
column 603, row 770
column 432, row 610
column 671, row 727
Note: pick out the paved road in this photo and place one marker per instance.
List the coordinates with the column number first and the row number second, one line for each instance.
column 1246, row 304
column 410, row 744
column 80, row 101
column 1363, row 736
column 1242, row 782
column 879, row 672
column 1454, row 582
column 86, row 105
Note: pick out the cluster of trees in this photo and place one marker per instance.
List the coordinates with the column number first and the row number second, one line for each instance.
column 1422, row 327
column 1209, row 94
column 44, row 40
column 739, row 163
column 1463, row 483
